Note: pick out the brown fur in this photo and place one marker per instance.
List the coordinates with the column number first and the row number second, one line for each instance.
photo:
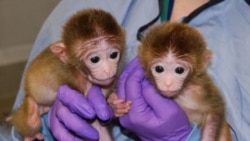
column 60, row 63
column 199, row 97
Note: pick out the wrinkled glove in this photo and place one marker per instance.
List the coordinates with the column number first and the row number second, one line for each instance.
column 71, row 110
column 152, row 117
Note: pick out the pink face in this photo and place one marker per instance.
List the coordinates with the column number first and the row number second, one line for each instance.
column 102, row 60
column 169, row 74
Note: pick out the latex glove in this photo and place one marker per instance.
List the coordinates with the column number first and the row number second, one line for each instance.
column 152, row 117
column 71, row 110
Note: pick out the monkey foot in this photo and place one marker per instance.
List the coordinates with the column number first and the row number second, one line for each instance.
column 34, row 122
column 38, row 136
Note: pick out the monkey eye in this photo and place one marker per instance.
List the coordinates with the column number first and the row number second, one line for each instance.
column 159, row 69
column 113, row 55
column 179, row 70
column 95, row 59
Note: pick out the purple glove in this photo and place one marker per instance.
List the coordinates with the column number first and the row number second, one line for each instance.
column 71, row 110
column 152, row 117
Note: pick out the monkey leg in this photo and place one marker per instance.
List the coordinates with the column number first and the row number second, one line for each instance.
column 26, row 119
column 225, row 134
column 38, row 136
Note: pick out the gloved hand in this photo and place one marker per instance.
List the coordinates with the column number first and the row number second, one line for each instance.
column 152, row 117
column 71, row 110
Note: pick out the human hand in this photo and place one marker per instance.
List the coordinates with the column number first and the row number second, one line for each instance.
column 71, row 110
column 152, row 117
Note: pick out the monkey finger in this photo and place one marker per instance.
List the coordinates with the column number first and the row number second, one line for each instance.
column 117, row 102
column 81, row 106
column 121, row 106
column 74, row 123
column 118, row 115
column 99, row 103
column 113, row 96
column 121, row 111
column 118, row 105
column 113, row 99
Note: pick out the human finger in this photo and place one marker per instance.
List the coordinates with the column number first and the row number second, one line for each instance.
column 98, row 101
column 75, row 101
column 72, row 122
column 123, row 77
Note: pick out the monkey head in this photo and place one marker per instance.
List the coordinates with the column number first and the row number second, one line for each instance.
column 173, row 54
column 92, row 42
column 100, row 63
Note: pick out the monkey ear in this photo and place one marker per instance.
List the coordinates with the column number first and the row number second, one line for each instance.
column 59, row 49
column 206, row 58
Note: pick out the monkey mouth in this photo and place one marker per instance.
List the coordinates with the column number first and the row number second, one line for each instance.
column 170, row 94
column 108, row 80
column 104, row 82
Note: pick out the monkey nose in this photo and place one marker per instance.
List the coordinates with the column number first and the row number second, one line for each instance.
column 108, row 72
column 168, row 84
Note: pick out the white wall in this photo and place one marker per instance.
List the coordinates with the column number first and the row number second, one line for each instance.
column 20, row 21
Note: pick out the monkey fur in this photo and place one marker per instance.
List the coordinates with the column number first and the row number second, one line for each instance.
column 175, row 58
column 65, row 62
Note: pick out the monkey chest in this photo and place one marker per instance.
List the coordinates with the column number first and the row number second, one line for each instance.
column 193, row 108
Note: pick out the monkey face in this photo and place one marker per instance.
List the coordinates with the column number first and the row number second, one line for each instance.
column 169, row 74
column 102, row 62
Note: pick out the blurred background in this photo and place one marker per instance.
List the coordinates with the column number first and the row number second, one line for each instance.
column 20, row 22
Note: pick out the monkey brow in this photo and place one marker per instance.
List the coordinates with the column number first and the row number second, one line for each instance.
column 96, row 40
column 183, row 56
column 89, row 44
column 185, row 60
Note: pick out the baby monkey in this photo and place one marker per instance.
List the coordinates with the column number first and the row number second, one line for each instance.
column 89, row 53
column 175, row 58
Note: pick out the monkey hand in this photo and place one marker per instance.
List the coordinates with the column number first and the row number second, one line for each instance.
column 119, row 106
column 151, row 116
column 70, row 113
